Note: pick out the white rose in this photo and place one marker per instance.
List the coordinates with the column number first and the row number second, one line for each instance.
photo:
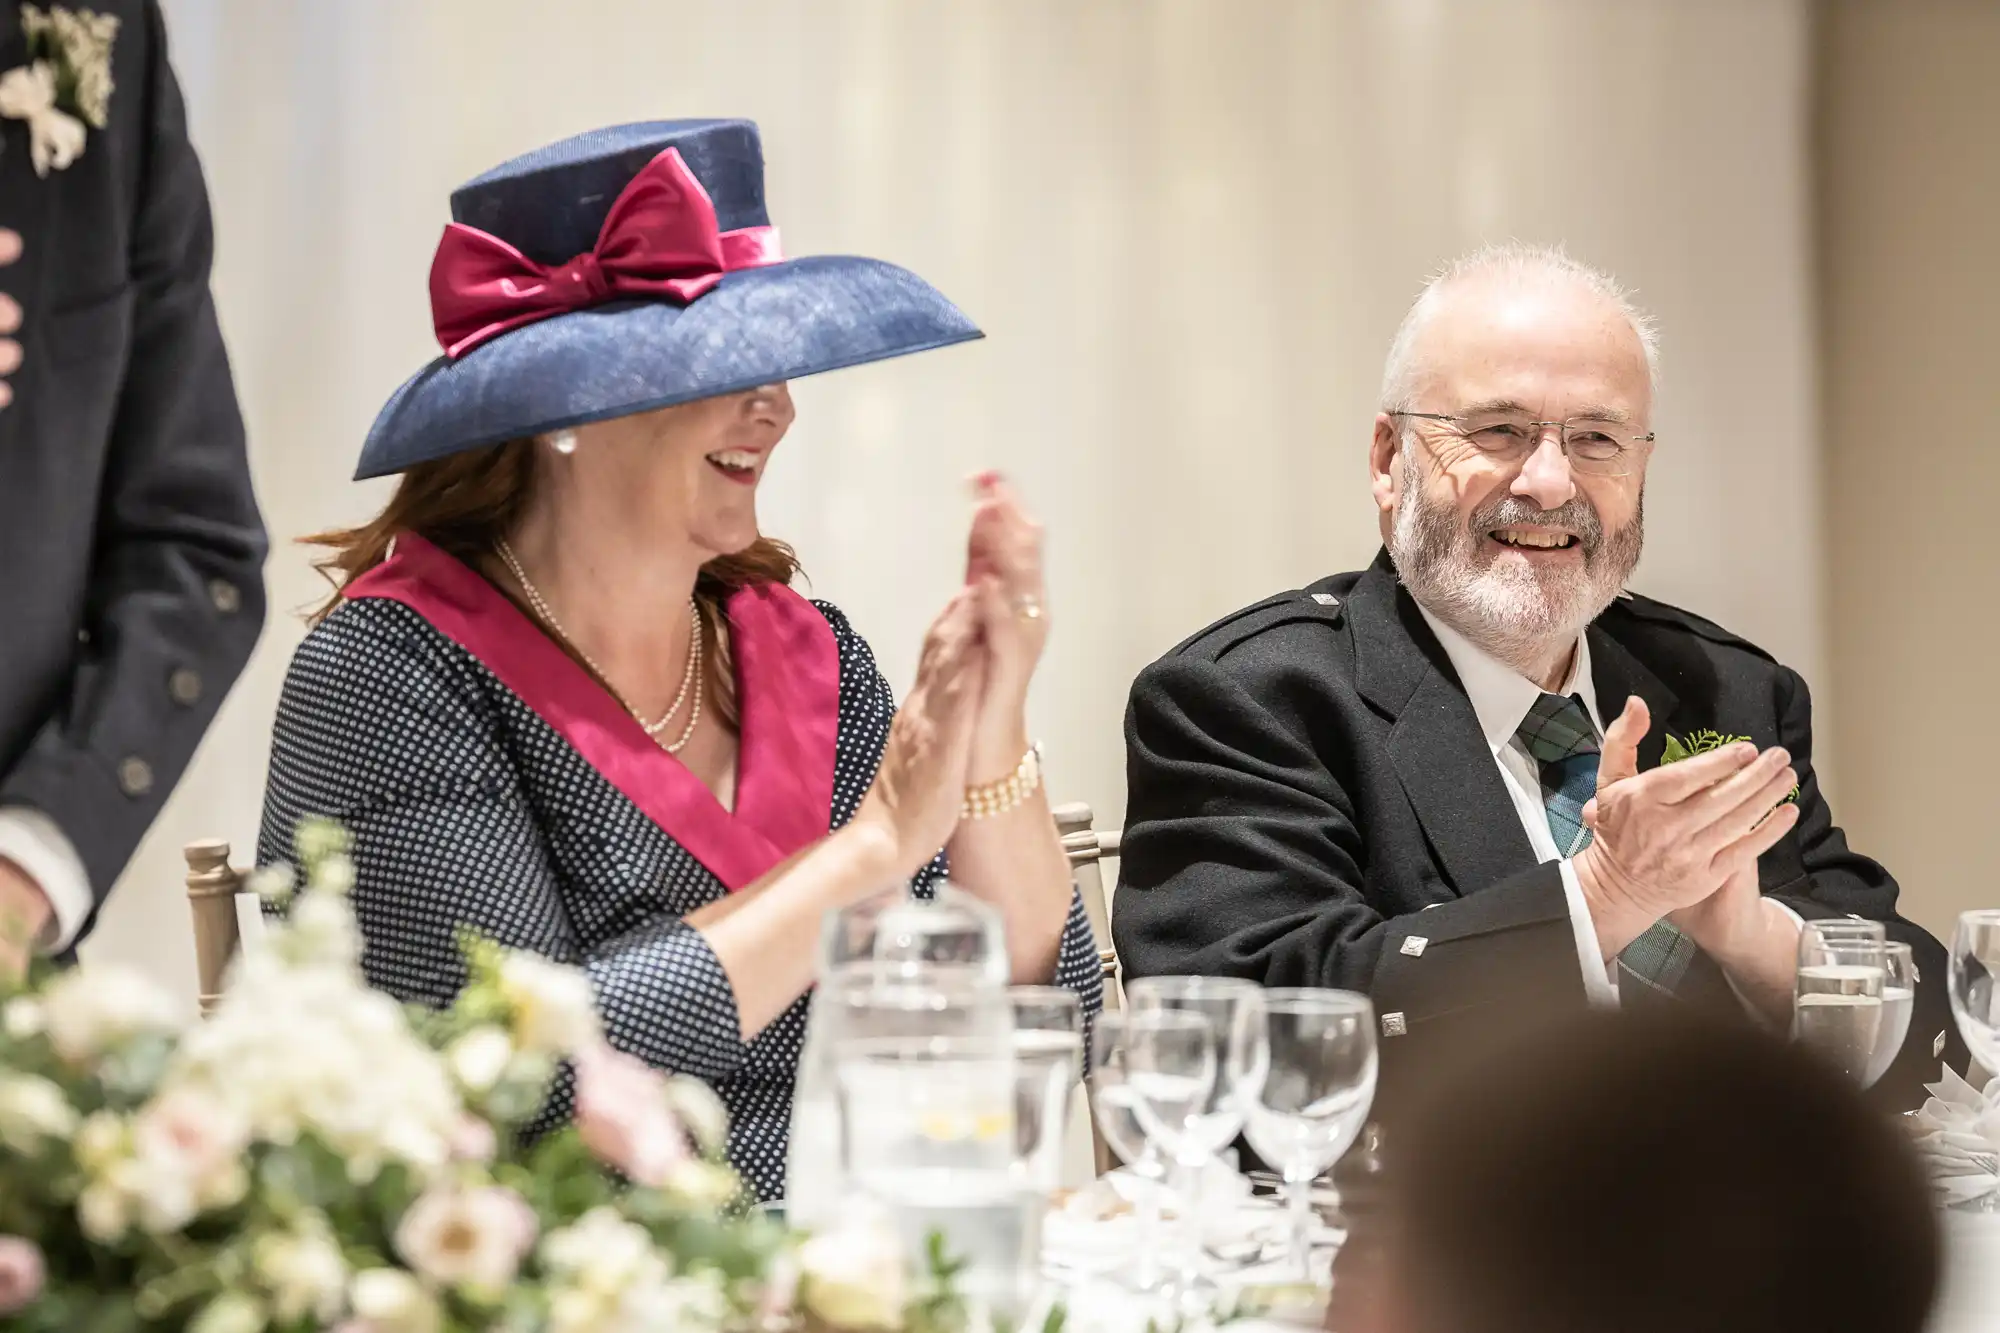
column 574, row 1310
column 321, row 930
column 555, row 1009
column 101, row 1140
column 467, row 1237
column 90, row 1010
column 676, row 1303
column 193, row 1137
column 335, row 875
column 104, row 1213
column 304, row 1273
column 231, row 1312
column 272, row 883
column 225, row 1189
column 318, row 839
column 855, row 1277
column 480, row 1057
column 22, row 1018
column 32, row 1110
column 388, row 1300
column 165, row 1201
column 602, row 1249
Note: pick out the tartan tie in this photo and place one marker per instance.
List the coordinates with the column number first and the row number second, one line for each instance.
column 1558, row 733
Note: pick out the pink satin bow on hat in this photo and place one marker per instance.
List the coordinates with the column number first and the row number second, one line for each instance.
column 660, row 241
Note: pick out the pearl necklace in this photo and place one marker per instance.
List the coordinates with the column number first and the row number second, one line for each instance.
column 690, row 679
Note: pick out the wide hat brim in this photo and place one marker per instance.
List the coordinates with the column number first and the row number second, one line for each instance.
column 757, row 326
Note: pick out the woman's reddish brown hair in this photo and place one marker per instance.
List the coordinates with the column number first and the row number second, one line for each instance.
column 465, row 503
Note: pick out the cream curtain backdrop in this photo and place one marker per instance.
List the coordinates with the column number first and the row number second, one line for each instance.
column 1188, row 226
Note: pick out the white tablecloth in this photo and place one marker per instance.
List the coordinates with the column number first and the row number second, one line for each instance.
column 1971, row 1301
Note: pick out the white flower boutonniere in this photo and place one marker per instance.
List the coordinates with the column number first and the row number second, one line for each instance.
column 66, row 84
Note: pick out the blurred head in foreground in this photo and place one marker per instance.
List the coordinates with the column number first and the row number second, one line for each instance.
column 1651, row 1175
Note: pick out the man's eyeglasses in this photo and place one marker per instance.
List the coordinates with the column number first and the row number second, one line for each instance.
column 1595, row 447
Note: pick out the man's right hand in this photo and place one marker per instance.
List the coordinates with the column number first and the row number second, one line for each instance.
column 1669, row 838
column 10, row 318
column 24, row 911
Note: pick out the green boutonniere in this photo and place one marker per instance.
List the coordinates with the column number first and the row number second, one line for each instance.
column 1701, row 742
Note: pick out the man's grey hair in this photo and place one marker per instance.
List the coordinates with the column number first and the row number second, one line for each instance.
column 1519, row 262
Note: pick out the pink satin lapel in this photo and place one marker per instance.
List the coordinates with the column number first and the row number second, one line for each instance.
column 788, row 688
column 788, row 671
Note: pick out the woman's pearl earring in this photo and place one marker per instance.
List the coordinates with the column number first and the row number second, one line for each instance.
column 563, row 442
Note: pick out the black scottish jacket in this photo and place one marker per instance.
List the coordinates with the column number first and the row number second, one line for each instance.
column 1310, row 795
column 128, row 530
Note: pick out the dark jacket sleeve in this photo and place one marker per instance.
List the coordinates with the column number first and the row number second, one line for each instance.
column 1244, row 855
column 176, row 596
column 373, row 731
column 1840, row 881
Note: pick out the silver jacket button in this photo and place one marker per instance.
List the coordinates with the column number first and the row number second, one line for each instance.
column 227, row 597
column 185, row 686
column 135, row 775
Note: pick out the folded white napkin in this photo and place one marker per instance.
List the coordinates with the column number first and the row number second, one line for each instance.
column 1097, row 1227
column 1957, row 1133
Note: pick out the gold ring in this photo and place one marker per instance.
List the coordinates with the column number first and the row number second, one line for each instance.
column 1029, row 605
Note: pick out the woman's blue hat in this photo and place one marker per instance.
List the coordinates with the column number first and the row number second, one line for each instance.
column 627, row 269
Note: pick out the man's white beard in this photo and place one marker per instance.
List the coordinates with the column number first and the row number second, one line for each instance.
column 1527, row 618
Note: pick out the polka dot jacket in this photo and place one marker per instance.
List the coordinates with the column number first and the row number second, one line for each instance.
column 468, row 809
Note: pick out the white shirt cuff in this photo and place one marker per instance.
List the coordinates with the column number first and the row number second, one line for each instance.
column 42, row 852
column 1598, row 986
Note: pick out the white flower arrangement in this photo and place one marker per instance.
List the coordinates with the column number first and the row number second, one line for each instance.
column 314, row 1156
column 66, row 85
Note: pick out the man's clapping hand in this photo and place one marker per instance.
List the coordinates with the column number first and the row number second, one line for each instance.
column 24, row 911
column 1668, row 840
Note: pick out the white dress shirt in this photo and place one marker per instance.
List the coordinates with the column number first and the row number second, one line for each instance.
column 1501, row 698
column 31, row 840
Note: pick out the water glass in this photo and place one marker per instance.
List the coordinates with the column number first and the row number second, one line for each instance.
column 1837, row 1001
column 1115, row 1102
column 1048, row 1065
column 1839, row 930
column 1899, row 1002
column 1315, row 1095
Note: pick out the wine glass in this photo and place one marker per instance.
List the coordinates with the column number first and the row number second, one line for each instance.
column 1191, row 1139
column 1837, row 1000
column 1048, row 1062
column 1320, row 1084
column 1116, row 1103
column 1975, row 999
